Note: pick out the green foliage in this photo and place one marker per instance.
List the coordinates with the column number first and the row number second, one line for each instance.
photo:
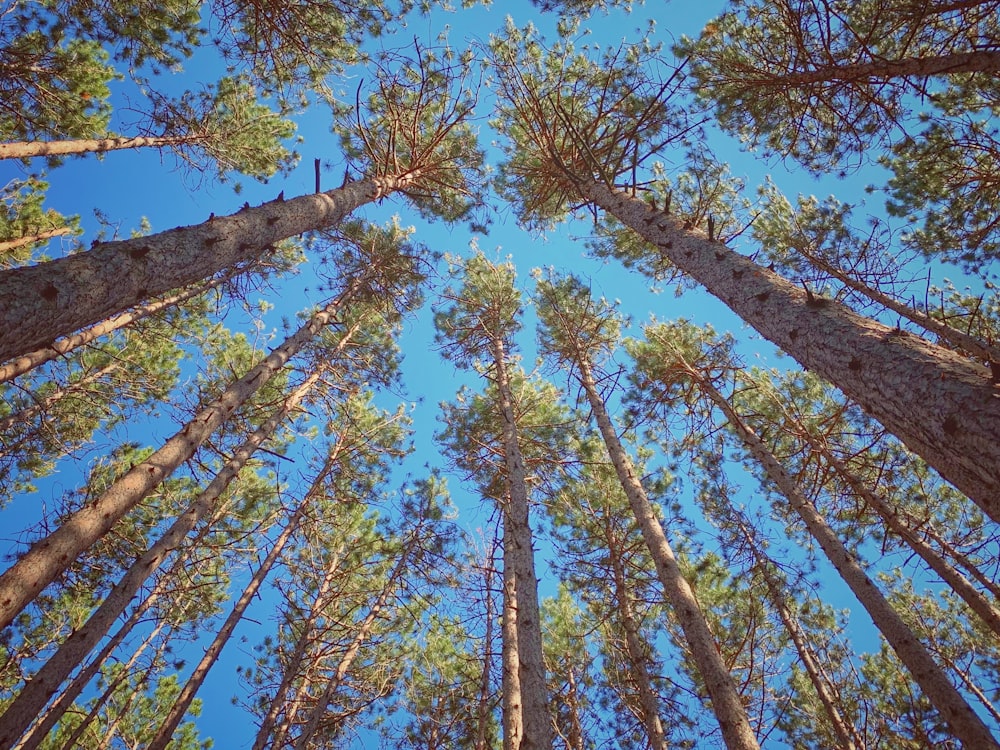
column 24, row 215
column 227, row 128
column 947, row 181
column 53, row 88
column 415, row 121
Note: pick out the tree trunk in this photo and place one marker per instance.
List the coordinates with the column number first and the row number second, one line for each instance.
column 977, row 61
column 648, row 702
column 518, row 553
column 29, row 149
column 55, row 712
column 36, row 693
column 810, row 661
column 942, row 406
column 726, row 703
column 48, row 300
column 28, row 413
column 513, row 719
column 364, row 630
column 47, row 558
column 62, row 346
column 180, row 706
column 934, row 683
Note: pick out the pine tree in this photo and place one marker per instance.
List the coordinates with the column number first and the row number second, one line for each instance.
column 476, row 324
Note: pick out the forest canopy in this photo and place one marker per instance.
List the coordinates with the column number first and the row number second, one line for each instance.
column 344, row 406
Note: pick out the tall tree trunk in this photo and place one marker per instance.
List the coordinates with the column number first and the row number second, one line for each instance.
column 40, row 303
column 634, row 649
column 934, row 683
column 46, row 681
column 347, row 660
column 726, row 703
column 976, row 61
column 28, row 413
column 512, row 714
column 810, row 660
column 46, row 559
column 518, row 553
column 62, row 346
column 71, row 741
column 956, row 338
column 180, row 706
column 29, row 149
column 942, row 406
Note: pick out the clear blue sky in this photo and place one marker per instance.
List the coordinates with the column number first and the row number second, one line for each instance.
column 127, row 186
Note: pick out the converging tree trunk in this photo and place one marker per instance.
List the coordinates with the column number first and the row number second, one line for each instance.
column 942, row 406
column 36, row 693
column 46, row 559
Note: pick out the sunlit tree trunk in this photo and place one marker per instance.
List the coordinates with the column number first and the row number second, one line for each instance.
column 520, row 556
column 942, row 406
column 46, row 301
column 62, row 346
column 31, row 239
column 726, row 703
column 33, row 697
column 29, row 149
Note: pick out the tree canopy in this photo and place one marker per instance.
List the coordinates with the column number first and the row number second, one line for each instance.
column 343, row 406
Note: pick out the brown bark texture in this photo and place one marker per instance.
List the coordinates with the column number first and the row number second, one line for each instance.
column 29, row 149
column 520, row 556
column 43, row 302
column 36, row 693
column 48, row 557
column 961, row 719
column 726, row 704
column 943, row 407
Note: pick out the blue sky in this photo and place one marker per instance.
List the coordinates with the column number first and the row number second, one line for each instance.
column 130, row 186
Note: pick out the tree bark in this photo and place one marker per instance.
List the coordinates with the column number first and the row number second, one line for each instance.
column 942, row 406
column 30, row 239
column 43, row 302
column 29, row 149
column 180, row 706
column 976, row 61
column 48, row 557
column 31, row 360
